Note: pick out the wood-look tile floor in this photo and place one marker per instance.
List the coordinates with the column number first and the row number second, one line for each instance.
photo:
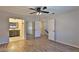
column 36, row 45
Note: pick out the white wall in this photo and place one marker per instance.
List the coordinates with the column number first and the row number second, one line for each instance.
column 4, row 26
column 67, row 28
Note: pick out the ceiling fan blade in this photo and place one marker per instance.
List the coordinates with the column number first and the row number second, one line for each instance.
column 45, row 11
column 44, row 7
column 31, row 8
column 32, row 12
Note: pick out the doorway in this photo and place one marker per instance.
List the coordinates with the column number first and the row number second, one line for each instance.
column 16, row 29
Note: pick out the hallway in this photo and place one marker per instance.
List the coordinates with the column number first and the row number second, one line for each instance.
column 36, row 45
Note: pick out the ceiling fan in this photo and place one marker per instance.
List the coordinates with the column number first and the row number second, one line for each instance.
column 39, row 10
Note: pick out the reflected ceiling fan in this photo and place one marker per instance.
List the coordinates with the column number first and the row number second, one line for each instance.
column 39, row 10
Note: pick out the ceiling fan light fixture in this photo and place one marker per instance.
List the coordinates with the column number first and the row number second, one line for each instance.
column 38, row 13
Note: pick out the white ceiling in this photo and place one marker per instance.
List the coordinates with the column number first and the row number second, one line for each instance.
column 24, row 10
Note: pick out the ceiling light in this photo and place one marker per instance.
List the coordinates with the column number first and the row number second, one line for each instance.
column 38, row 13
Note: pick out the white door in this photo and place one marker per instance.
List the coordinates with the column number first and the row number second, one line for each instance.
column 51, row 29
column 37, row 29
